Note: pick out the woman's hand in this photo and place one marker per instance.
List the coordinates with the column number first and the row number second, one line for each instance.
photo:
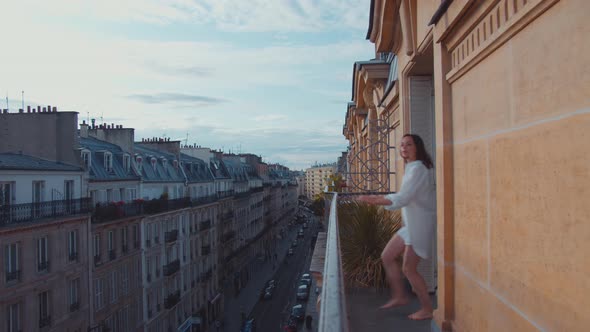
column 373, row 199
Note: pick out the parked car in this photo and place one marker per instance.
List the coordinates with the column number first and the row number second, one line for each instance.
column 306, row 278
column 294, row 244
column 290, row 252
column 302, row 292
column 298, row 312
column 300, row 234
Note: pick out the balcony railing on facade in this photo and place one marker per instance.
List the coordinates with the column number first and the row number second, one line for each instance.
column 225, row 193
column 13, row 276
column 171, row 268
column 171, row 236
column 242, row 194
column 227, row 216
column 14, row 214
column 205, row 250
column 171, row 300
column 229, row 235
column 257, row 189
column 204, row 225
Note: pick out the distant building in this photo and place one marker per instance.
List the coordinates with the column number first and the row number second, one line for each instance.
column 317, row 178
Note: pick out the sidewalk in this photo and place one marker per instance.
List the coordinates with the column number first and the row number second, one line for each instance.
column 248, row 297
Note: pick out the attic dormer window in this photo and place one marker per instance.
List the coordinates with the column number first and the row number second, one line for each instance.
column 153, row 161
column 126, row 162
column 138, row 161
column 175, row 163
column 108, row 161
column 86, row 158
column 164, row 162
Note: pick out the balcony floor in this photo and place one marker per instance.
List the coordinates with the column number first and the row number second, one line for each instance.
column 365, row 315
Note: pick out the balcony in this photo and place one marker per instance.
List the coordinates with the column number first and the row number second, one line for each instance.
column 44, row 321
column 105, row 212
column 256, row 189
column 13, row 276
column 203, row 200
column 171, row 268
column 75, row 306
column 43, row 266
column 171, row 236
column 242, row 194
column 349, row 308
column 229, row 235
column 225, row 193
column 172, row 299
column 155, row 206
column 204, row 225
column 30, row 212
column 205, row 250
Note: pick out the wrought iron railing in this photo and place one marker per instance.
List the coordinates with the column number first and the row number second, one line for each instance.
column 13, row 276
column 205, row 225
column 203, row 200
column 171, row 236
column 20, row 213
column 225, row 193
column 172, row 267
column 242, row 194
column 172, row 299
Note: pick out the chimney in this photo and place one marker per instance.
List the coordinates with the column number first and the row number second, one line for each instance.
column 28, row 108
column 84, row 129
column 38, row 109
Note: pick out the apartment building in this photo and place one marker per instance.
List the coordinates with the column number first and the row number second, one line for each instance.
column 44, row 224
column 317, row 178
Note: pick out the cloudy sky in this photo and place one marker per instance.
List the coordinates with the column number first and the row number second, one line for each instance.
column 269, row 77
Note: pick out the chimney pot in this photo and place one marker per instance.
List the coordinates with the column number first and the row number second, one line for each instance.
column 38, row 109
column 83, row 122
column 54, row 109
column 28, row 108
column 48, row 108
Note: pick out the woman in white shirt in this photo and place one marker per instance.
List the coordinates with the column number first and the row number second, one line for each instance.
column 415, row 239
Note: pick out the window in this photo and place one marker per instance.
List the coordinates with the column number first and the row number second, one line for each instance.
column 13, row 318
column 98, row 302
column 126, row 163
column 131, row 194
column 124, row 280
column 73, row 245
column 86, row 158
column 109, row 195
column 44, row 317
column 7, row 193
column 11, row 262
column 74, row 294
column 113, row 286
column 97, row 246
column 122, row 194
column 38, row 191
column 111, row 243
column 69, row 190
column 124, row 238
column 135, row 236
column 108, row 161
column 42, row 258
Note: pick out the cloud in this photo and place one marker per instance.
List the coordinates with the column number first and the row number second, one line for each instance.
column 190, row 71
column 177, row 99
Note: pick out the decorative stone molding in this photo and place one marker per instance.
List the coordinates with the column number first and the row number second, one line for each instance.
column 494, row 27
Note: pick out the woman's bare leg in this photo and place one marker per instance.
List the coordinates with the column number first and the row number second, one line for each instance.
column 394, row 248
column 411, row 260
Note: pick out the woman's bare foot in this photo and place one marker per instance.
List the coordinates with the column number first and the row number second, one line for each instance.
column 395, row 302
column 421, row 315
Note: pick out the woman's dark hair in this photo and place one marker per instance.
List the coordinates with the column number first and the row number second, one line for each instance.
column 421, row 153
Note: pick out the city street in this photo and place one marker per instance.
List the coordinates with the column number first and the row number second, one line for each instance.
column 272, row 315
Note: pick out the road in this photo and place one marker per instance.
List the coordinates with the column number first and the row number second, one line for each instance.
column 271, row 315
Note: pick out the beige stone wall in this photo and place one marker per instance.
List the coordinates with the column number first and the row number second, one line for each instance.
column 521, row 177
column 56, row 280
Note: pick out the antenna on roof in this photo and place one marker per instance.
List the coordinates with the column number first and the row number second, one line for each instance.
column 7, row 101
column 23, row 98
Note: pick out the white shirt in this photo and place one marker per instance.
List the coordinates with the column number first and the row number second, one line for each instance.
column 417, row 200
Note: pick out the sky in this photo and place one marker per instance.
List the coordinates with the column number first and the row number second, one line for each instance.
column 268, row 77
